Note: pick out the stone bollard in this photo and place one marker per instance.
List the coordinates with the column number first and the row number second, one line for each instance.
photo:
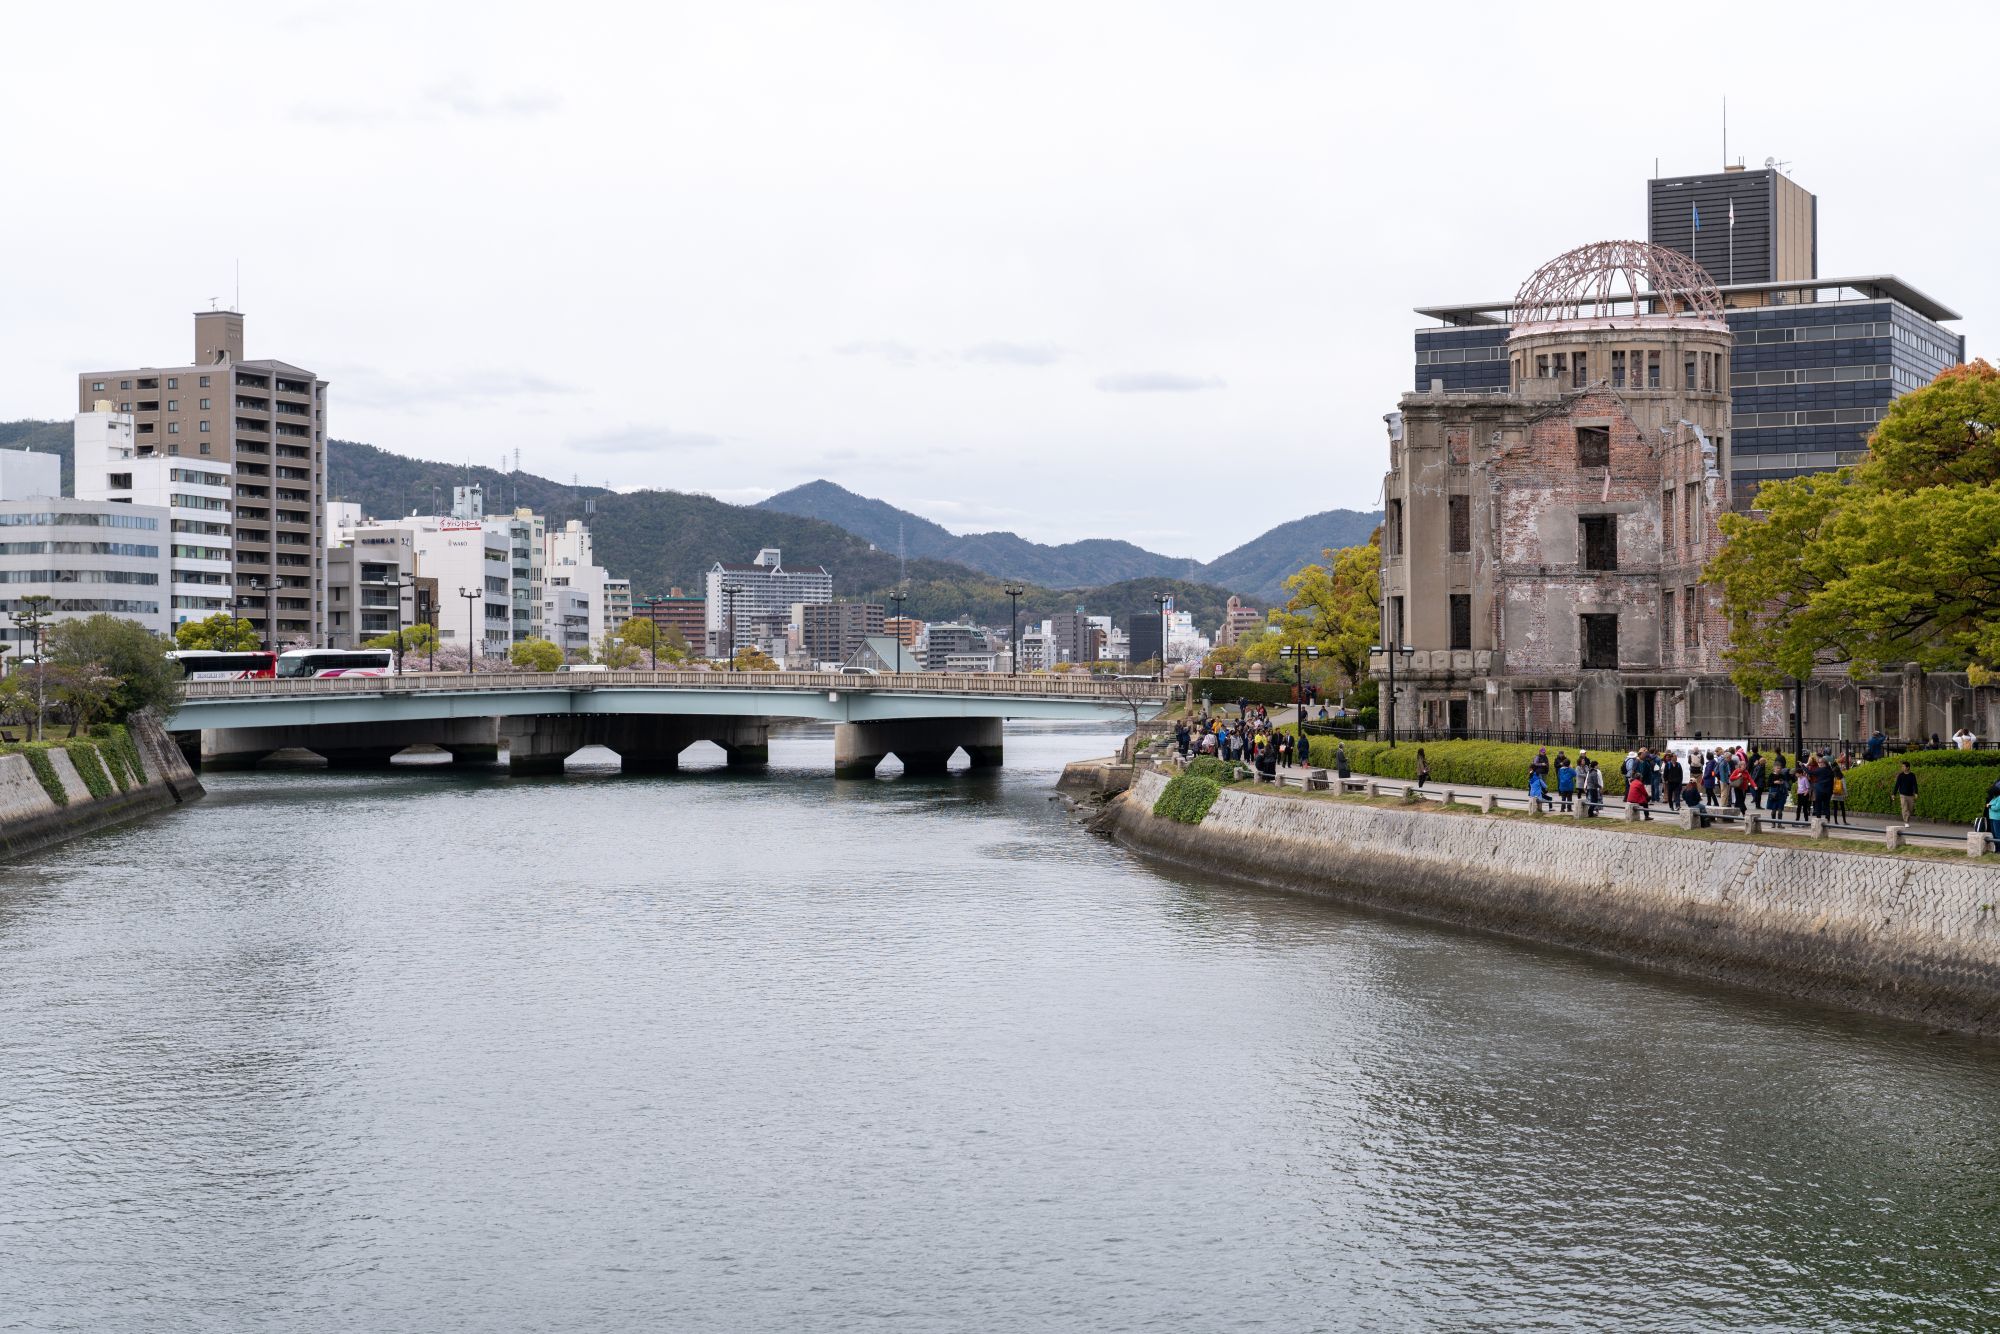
column 1629, row 813
column 1753, row 823
column 1688, row 820
column 1372, row 788
column 1412, row 795
column 1316, row 781
column 1486, row 803
column 1582, row 809
column 1535, row 806
column 1892, row 836
column 1816, row 828
column 1975, row 844
column 1447, row 798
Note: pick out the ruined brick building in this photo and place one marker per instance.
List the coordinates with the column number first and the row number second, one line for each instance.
column 1543, row 542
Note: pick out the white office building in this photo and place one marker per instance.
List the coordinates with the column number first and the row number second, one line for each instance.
column 114, row 463
column 85, row 556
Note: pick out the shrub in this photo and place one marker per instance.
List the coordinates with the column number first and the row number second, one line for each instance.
column 1211, row 767
column 45, row 771
column 113, row 743
column 1187, row 798
column 89, row 767
column 1951, row 784
column 1475, row 763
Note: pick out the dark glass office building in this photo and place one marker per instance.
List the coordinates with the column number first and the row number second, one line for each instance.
column 1816, row 360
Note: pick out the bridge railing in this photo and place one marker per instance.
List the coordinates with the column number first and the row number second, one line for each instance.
column 927, row 683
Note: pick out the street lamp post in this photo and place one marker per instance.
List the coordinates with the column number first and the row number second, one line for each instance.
column 1392, row 651
column 1164, row 600
column 729, row 592
column 899, row 597
column 653, row 619
column 473, row 597
column 395, row 587
column 1296, row 654
column 268, row 586
column 31, row 617
column 1014, row 592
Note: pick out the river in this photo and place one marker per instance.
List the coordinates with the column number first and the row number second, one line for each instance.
column 426, row 1051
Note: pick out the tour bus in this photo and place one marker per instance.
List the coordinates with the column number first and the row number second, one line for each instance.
column 208, row 665
column 336, row 662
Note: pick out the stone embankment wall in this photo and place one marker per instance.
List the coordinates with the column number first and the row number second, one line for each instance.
column 1908, row 937
column 31, row 818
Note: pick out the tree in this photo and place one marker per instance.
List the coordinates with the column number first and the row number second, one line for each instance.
column 82, row 692
column 1336, row 607
column 1896, row 559
column 417, row 639
column 616, row 654
column 132, row 656
column 220, row 633
column 654, row 640
column 750, row 658
column 535, row 655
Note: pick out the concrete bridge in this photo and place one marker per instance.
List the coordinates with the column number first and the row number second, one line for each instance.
column 648, row 717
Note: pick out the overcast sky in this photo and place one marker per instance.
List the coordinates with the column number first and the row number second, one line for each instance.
column 1076, row 269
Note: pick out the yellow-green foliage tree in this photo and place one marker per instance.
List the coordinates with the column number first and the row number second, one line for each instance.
column 1896, row 559
column 417, row 639
column 220, row 633
column 535, row 655
column 1334, row 606
column 652, row 640
column 752, row 659
column 616, row 654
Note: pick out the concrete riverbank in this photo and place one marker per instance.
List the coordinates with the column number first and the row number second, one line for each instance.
column 1915, row 938
column 33, row 816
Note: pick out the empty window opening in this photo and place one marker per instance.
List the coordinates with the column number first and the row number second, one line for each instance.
column 1667, row 517
column 1593, row 446
column 1618, row 369
column 1600, row 542
column 1460, row 512
column 1600, row 642
column 1461, row 620
column 1395, row 528
column 1652, row 370
column 1579, row 371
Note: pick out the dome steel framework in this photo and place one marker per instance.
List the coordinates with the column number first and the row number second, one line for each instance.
column 1610, row 279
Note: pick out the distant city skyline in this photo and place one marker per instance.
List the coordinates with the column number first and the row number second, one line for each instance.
column 1009, row 268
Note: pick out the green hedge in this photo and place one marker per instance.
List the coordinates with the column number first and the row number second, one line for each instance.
column 45, row 770
column 89, row 766
column 1211, row 767
column 1484, row 763
column 1228, row 689
column 1951, row 784
column 1187, row 798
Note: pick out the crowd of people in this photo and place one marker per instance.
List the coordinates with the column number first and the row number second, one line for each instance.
column 1250, row 738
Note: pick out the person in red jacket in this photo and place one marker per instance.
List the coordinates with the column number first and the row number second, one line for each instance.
column 1637, row 794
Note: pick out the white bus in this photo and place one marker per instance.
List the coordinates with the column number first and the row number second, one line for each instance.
column 210, row 665
column 337, row 662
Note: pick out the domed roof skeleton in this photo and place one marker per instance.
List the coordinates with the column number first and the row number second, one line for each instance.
column 1585, row 284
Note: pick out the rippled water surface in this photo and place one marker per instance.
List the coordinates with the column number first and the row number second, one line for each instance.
column 421, row 1051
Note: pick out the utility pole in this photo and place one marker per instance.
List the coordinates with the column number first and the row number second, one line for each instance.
column 1165, row 600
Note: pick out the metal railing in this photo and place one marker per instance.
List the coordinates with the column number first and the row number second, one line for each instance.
column 1573, row 740
column 927, row 683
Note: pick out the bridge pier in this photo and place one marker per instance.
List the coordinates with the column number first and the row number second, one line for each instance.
column 924, row 745
column 347, row 745
column 645, row 744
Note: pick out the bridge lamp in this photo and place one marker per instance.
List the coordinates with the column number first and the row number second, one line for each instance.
column 473, row 597
column 729, row 592
column 395, row 587
column 1014, row 592
column 899, row 597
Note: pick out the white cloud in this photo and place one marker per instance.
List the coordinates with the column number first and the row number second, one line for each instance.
column 1014, row 354
column 1157, row 382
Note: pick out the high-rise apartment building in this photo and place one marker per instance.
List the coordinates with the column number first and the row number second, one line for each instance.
column 751, row 601
column 1815, row 361
column 835, row 631
column 264, row 423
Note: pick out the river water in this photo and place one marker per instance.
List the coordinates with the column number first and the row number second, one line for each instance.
column 423, row 1051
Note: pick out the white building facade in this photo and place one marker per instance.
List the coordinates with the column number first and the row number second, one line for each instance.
column 764, row 593
column 113, row 463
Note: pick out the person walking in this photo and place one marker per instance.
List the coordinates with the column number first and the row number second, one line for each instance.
column 1822, row 788
column 1673, row 777
column 1593, row 788
column 1711, row 779
column 1906, row 792
column 1340, row 767
column 1565, row 783
column 1423, row 769
column 1305, row 747
column 1739, row 784
column 1802, row 795
column 1781, row 787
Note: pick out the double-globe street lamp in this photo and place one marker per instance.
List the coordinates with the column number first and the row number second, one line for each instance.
column 1392, row 652
column 729, row 592
column 899, row 597
column 1163, row 601
column 1298, row 655
column 1014, row 592
column 473, row 597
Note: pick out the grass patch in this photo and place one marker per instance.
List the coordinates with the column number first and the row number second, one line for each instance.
column 45, row 770
column 83, row 756
column 1186, row 798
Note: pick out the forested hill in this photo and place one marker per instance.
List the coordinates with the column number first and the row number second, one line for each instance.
column 1005, row 555
column 1259, row 567
column 663, row 539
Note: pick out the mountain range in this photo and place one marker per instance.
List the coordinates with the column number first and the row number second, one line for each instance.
column 1257, row 569
column 666, row 539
